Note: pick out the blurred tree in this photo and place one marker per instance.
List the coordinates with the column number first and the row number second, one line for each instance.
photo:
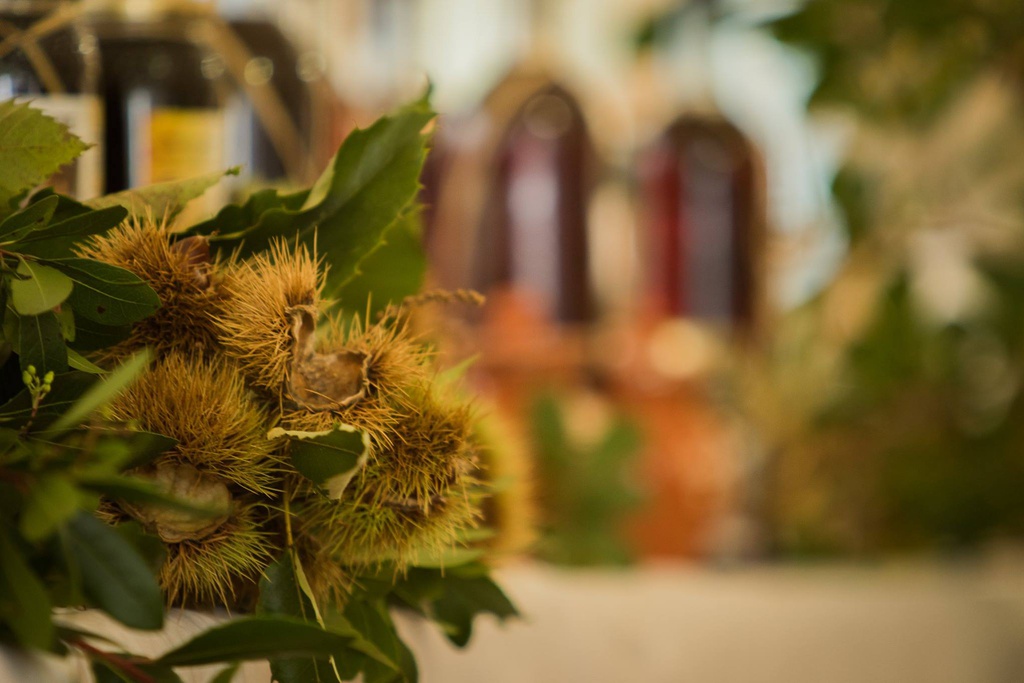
column 892, row 402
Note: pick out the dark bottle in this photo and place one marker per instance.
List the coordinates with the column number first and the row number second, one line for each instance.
column 58, row 71
column 702, row 222
column 163, row 91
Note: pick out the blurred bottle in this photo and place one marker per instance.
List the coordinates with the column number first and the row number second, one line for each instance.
column 280, row 112
column 164, row 93
column 514, row 182
column 701, row 193
column 702, row 219
column 58, row 69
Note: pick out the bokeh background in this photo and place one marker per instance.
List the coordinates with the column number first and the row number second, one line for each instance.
column 753, row 348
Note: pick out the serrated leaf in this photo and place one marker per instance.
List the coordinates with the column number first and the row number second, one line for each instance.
column 38, row 288
column 103, row 391
column 114, row 576
column 259, row 637
column 328, row 459
column 162, row 199
column 24, row 603
column 367, row 186
column 41, row 344
column 392, row 272
column 31, row 217
column 106, row 294
column 52, row 501
column 33, row 147
column 59, row 239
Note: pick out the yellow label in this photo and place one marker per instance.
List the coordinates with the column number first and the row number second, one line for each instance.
column 185, row 143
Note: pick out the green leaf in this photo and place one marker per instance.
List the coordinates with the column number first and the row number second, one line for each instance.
column 455, row 373
column 226, row 675
column 66, row 318
column 281, row 593
column 366, row 187
column 59, row 239
column 388, row 275
column 149, row 546
column 41, row 344
column 162, row 199
column 90, row 336
column 328, row 459
column 463, row 599
column 107, row 294
column 67, row 389
column 77, row 361
column 388, row 659
column 105, row 673
column 38, row 288
column 52, row 501
column 24, row 603
column 234, row 219
column 115, row 577
column 28, row 219
column 33, row 147
column 103, row 391
column 447, row 558
column 259, row 637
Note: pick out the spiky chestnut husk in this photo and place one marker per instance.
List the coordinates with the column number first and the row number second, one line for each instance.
column 271, row 305
column 392, row 363
column 183, row 277
column 223, row 566
column 414, row 495
column 205, row 405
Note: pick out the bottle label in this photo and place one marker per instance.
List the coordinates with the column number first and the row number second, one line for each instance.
column 184, row 143
column 83, row 115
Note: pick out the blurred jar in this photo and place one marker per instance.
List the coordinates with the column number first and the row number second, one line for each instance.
column 164, row 93
column 56, row 65
column 701, row 243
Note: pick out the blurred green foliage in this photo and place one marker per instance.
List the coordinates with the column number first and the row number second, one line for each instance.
column 901, row 381
column 586, row 488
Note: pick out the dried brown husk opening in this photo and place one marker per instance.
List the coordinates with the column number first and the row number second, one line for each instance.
column 322, row 381
column 189, row 485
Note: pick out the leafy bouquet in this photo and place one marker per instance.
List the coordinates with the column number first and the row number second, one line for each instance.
column 190, row 419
